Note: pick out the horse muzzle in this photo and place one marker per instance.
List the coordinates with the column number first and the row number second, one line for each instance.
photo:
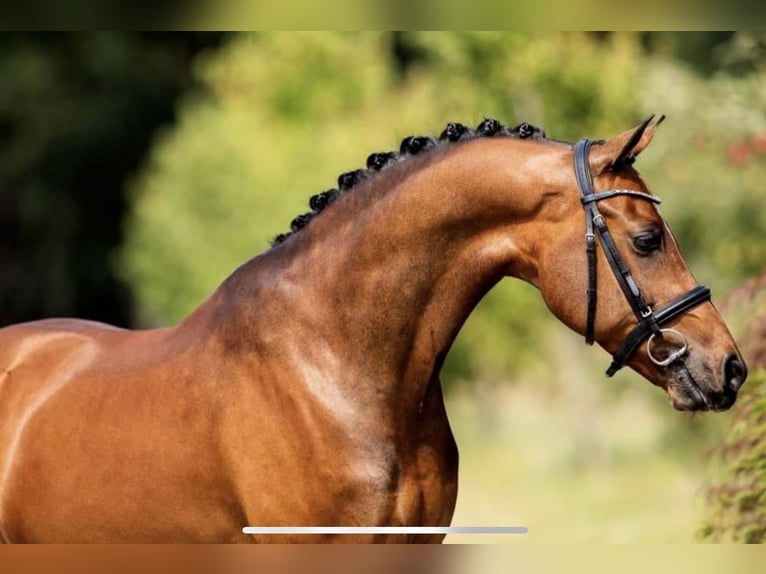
column 692, row 386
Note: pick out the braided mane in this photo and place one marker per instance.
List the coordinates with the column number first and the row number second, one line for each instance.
column 411, row 145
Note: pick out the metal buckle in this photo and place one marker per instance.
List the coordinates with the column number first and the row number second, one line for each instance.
column 648, row 313
column 675, row 355
column 598, row 219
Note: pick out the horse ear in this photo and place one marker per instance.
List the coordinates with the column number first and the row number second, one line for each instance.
column 622, row 150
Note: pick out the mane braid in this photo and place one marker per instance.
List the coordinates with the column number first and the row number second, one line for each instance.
column 411, row 145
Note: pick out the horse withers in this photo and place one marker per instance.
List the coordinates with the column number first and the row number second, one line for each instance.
column 305, row 391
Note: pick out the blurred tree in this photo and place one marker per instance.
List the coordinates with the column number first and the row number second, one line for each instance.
column 702, row 51
column 77, row 114
column 711, row 53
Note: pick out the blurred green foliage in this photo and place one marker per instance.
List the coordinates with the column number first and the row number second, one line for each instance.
column 736, row 489
column 285, row 113
column 737, row 499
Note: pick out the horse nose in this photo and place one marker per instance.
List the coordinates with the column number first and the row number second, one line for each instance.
column 734, row 372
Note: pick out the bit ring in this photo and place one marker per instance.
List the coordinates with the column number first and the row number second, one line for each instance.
column 675, row 355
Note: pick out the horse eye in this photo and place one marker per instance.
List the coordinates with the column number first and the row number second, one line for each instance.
column 647, row 241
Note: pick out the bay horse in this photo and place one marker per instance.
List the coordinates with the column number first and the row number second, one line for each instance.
column 305, row 391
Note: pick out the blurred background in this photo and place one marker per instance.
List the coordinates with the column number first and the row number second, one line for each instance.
column 137, row 170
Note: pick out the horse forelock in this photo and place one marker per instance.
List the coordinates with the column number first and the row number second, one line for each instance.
column 410, row 146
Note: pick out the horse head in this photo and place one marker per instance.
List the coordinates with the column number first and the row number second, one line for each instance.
column 642, row 304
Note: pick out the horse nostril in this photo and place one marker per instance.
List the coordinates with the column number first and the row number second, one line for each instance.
column 734, row 372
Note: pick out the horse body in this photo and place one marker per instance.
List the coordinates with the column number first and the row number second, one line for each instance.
column 305, row 391
column 156, row 450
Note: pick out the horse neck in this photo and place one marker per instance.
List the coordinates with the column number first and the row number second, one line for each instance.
column 380, row 283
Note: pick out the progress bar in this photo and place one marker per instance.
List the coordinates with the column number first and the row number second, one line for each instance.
column 385, row 530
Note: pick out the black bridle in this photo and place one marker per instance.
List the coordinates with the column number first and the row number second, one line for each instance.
column 649, row 321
